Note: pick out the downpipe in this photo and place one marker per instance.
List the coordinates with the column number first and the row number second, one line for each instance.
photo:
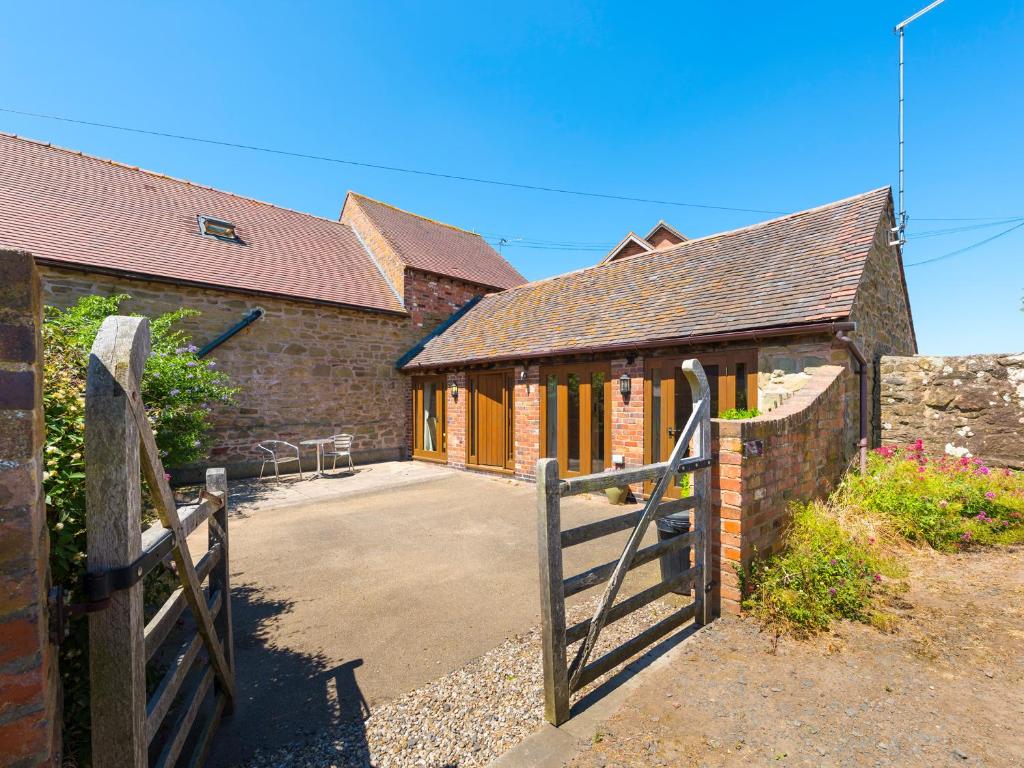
column 862, row 371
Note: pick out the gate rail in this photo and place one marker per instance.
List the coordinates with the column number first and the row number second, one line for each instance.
column 562, row 678
column 120, row 449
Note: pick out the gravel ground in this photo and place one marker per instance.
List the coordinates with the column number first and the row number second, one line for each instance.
column 467, row 718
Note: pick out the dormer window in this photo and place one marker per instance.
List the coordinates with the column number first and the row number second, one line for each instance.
column 222, row 230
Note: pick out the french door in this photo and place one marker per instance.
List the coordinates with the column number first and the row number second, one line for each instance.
column 491, row 428
column 576, row 417
column 428, row 411
column 732, row 378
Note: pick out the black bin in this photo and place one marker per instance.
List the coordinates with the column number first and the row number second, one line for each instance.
column 675, row 562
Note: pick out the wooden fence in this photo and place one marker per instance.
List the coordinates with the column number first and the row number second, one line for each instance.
column 561, row 678
column 131, row 729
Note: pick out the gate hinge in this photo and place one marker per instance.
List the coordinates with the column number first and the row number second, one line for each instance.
column 98, row 586
column 708, row 587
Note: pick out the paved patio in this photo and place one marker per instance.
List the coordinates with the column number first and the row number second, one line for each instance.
column 350, row 590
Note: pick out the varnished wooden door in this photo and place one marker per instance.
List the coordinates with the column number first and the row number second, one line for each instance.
column 490, row 420
column 428, row 411
column 576, row 417
column 668, row 402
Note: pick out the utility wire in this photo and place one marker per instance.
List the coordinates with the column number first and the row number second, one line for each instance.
column 971, row 247
column 968, row 228
column 376, row 166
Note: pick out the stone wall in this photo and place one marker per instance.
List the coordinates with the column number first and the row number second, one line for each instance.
column 304, row 370
column 29, row 686
column 766, row 463
column 373, row 240
column 973, row 403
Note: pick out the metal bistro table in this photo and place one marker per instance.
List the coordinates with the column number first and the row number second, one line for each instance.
column 319, row 443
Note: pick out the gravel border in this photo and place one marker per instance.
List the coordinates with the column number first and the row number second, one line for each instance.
column 466, row 718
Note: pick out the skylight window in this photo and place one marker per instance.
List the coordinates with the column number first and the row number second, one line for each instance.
column 222, row 230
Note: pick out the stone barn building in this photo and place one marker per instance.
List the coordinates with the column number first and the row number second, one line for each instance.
column 338, row 302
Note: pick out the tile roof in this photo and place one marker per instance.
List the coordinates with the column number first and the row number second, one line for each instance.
column 85, row 212
column 431, row 246
column 801, row 268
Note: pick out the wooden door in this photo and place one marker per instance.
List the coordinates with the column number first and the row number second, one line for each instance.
column 732, row 380
column 429, row 420
column 490, row 420
column 576, row 417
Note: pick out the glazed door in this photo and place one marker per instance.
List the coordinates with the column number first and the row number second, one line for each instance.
column 491, row 429
column 576, row 417
column 732, row 379
column 428, row 417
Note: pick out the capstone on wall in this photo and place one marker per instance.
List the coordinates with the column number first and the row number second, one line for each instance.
column 973, row 403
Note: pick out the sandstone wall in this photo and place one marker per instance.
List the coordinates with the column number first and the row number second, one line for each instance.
column 974, row 402
column 305, row 370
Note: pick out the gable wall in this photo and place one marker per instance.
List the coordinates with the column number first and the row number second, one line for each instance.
column 380, row 249
column 882, row 313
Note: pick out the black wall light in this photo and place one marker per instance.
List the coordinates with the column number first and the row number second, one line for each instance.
column 455, row 390
column 624, row 385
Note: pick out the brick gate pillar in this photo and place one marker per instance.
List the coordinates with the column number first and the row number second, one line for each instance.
column 29, row 711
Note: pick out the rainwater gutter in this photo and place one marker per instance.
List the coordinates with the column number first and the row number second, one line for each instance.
column 862, row 371
column 250, row 317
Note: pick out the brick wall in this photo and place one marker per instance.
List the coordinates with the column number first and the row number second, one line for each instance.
column 800, row 460
column 975, row 402
column 526, row 421
column 29, row 713
column 628, row 415
column 455, row 414
column 431, row 299
column 305, row 370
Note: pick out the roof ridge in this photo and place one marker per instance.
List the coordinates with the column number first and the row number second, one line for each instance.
column 157, row 174
column 679, row 246
column 415, row 215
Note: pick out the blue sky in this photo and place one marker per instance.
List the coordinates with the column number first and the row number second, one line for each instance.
column 776, row 107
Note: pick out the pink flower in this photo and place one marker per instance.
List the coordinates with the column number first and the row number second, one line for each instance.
column 878, row 576
column 919, row 444
column 990, row 495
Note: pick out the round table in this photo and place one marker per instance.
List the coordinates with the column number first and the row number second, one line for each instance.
column 319, row 443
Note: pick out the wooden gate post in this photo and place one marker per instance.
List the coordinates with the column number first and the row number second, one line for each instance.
column 701, row 446
column 217, row 483
column 552, row 592
column 117, row 656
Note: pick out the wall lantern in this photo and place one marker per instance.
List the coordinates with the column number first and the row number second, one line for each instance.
column 455, row 390
column 624, row 384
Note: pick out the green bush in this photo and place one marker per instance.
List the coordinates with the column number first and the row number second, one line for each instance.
column 739, row 413
column 823, row 573
column 177, row 389
column 948, row 503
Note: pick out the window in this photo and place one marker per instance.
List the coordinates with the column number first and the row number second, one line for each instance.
column 222, row 230
column 576, row 417
column 428, row 408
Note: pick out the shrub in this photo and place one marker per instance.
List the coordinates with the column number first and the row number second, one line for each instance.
column 739, row 413
column 177, row 390
column 947, row 502
column 823, row 573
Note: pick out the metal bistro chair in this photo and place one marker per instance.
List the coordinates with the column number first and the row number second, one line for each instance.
column 274, row 452
column 342, row 448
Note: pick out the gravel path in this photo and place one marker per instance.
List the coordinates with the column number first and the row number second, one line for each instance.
column 467, row 718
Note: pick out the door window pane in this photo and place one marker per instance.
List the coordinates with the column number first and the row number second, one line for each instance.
column 429, row 416
column 597, row 422
column 471, row 393
column 711, row 371
column 741, row 386
column 656, row 415
column 551, row 417
column 573, row 419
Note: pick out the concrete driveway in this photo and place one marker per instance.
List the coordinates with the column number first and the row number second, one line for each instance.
column 355, row 596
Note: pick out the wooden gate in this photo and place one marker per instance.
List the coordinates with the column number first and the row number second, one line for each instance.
column 562, row 678
column 129, row 728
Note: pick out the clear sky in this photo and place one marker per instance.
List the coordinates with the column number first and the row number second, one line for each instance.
column 770, row 106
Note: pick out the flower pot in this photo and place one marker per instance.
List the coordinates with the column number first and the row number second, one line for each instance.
column 617, row 495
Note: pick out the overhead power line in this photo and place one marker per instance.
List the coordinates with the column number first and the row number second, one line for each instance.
column 967, row 228
column 381, row 167
column 971, row 247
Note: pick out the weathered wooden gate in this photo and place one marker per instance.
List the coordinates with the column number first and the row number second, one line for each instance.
column 562, row 678
column 119, row 447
